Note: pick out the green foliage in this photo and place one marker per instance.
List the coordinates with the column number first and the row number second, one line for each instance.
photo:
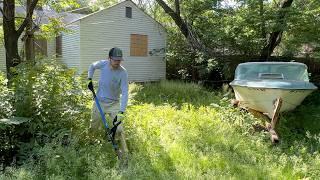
column 59, row 5
column 8, row 132
column 301, row 38
column 52, row 96
column 186, row 64
column 68, row 162
column 240, row 30
column 180, row 58
column 100, row 4
column 1, row 35
column 6, row 98
column 53, row 29
column 171, row 138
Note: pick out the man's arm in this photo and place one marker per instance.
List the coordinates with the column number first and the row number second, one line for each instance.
column 94, row 66
column 124, row 92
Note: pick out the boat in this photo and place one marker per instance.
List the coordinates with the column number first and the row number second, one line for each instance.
column 258, row 85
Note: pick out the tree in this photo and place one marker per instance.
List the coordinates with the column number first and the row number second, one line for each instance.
column 253, row 30
column 12, row 34
column 184, row 26
column 302, row 33
column 13, row 29
column 29, row 36
column 275, row 37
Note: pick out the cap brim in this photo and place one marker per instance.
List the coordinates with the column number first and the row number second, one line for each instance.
column 117, row 58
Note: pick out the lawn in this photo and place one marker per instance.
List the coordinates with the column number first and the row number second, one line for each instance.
column 180, row 130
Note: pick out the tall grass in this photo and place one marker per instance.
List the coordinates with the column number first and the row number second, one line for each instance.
column 181, row 131
column 174, row 93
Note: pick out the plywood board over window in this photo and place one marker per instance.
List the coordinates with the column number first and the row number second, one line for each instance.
column 139, row 45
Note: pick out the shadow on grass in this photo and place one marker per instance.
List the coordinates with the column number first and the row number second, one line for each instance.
column 302, row 124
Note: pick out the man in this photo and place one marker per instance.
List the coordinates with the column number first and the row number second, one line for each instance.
column 113, row 82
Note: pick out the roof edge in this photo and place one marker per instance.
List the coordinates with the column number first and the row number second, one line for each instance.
column 115, row 6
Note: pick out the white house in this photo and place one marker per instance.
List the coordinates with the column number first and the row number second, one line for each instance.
column 47, row 47
column 124, row 25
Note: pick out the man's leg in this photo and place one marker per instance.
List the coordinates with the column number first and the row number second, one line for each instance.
column 120, row 134
column 96, row 125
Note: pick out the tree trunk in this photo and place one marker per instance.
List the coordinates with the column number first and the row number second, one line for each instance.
column 263, row 22
column 275, row 37
column 29, row 38
column 10, row 36
column 12, row 56
column 273, row 42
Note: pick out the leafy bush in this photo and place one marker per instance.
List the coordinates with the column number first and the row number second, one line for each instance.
column 184, row 63
column 52, row 95
column 55, row 101
column 6, row 97
column 7, row 135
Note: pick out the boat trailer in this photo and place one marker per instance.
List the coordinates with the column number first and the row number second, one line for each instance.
column 269, row 126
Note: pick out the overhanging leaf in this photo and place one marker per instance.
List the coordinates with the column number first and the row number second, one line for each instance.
column 14, row 120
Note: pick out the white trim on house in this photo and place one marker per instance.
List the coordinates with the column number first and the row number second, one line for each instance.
column 113, row 6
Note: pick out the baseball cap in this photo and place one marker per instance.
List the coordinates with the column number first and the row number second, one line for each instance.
column 116, row 54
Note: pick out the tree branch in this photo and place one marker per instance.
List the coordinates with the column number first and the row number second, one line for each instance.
column 1, row 10
column 33, row 30
column 177, row 5
column 176, row 17
column 185, row 28
column 28, row 17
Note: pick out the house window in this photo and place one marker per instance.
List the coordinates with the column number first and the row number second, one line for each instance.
column 139, row 45
column 59, row 46
column 128, row 12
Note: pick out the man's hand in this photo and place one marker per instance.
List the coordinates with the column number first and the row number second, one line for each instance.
column 90, row 85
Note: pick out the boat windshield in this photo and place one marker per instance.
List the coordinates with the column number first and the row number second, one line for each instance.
column 254, row 71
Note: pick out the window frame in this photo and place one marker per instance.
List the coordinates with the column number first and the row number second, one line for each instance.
column 128, row 12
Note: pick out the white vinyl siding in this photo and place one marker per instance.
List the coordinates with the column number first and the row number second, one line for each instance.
column 2, row 57
column 71, row 46
column 109, row 28
column 51, row 48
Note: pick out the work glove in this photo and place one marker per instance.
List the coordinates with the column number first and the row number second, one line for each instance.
column 90, row 85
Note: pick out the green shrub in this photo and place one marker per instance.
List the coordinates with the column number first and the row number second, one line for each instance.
column 54, row 99
column 52, row 95
column 7, row 135
column 6, row 97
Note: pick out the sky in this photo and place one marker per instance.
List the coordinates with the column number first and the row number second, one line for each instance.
column 229, row 3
